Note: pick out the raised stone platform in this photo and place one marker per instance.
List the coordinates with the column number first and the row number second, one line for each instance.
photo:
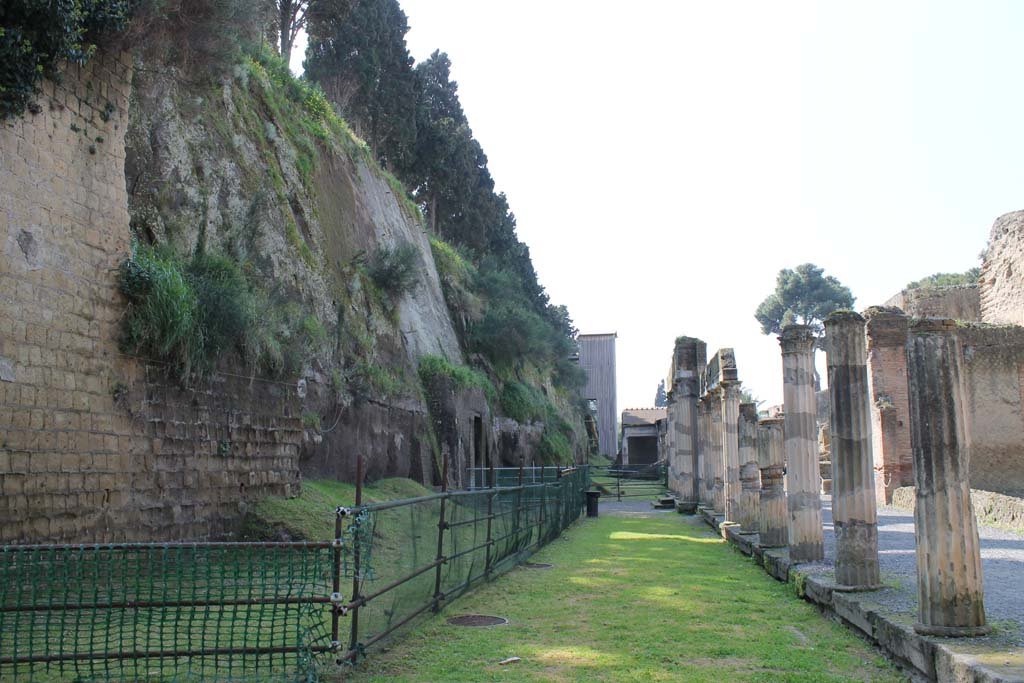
column 886, row 616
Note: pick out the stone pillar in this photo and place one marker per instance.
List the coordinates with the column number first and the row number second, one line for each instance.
column 689, row 356
column 668, row 441
column 801, row 433
column 731, row 449
column 854, row 512
column 706, row 483
column 773, row 524
column 715, row 453
column 750, row 474
column 949, row 581
column 887, row 381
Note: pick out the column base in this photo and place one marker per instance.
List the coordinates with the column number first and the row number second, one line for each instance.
column 857, row 589
column 953, row 631
column 686, row 507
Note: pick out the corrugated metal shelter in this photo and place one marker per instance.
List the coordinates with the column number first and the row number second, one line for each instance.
column 597, row 358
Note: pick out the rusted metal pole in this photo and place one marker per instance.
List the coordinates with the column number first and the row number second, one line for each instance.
column 440, row 533
column 356, row 559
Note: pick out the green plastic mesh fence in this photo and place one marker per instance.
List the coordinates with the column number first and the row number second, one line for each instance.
column 264, row 611
column 630, row 481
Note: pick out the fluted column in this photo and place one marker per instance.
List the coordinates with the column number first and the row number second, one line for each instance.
column 717, row 467
column 801, row 434
column 949, row 580
column 703, row 426
column 731, row 449
column 854, row 512
column 773, row 526
column 688, row 357
column 750, row 474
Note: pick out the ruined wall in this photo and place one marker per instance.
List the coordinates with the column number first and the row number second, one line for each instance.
column 95, row 446
column 994, row 369
column 1002, row 272
column 959, row 302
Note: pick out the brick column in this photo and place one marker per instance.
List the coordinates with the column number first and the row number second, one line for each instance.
column 854, row 512
column 887, row 382
column 773, row 524
column 750, row 475
column 949, row 580
column 731, row 449
column 801, row 433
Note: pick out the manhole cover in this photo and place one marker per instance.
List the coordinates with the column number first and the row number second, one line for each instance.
column 537, row 565
column 477, row 620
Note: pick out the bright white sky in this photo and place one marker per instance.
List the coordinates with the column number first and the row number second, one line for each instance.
column 666, row 158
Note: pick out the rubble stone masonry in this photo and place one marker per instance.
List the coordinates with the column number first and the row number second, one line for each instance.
column 95, row 446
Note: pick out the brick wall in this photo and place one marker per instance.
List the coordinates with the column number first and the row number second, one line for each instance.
column 887, row 384
column 94, row 445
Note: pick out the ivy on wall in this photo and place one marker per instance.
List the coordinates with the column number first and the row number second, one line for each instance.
column 37, row 35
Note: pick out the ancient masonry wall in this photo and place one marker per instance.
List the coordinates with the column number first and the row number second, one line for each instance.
column 994, row 398
column 1002, row 272
column 960, row 302
column 95, row 446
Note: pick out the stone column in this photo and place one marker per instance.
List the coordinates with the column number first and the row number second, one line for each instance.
column 854, row 512
column 803, row 499
column 689, row 356
column 715, row 453
column 750, row 474
column 704, row 483
column 731, row 449
column 949, row 581
column 773, row 524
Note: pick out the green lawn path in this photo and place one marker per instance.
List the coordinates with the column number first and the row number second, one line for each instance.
column 653, row 598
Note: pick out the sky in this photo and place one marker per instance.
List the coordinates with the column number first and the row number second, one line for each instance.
column 665, row 158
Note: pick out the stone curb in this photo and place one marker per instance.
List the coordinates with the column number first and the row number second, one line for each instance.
column 934, row 658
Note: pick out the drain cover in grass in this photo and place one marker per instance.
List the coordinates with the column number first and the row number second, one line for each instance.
column 537, row 565
column 477, row 620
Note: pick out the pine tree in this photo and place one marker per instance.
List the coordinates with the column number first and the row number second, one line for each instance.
column 660, row 398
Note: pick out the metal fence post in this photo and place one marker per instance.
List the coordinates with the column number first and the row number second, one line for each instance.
column 356, row 568
column 543, row 506
column 441, row 525
column 336, row 582
column 490, row 517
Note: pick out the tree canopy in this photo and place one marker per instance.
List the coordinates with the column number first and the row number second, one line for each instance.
column 803, row 295
column 660, row 398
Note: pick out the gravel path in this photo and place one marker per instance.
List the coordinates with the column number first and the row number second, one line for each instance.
column 1002, row 562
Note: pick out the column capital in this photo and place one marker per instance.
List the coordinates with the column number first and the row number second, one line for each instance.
column 797, row 339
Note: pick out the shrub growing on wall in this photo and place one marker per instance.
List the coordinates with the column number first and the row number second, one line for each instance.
column 189, row 312
column 36, row 35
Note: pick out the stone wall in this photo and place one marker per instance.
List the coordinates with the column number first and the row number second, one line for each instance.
column 994, row 369
column 959, row 302
column 1002, row 272
column 95, row 446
